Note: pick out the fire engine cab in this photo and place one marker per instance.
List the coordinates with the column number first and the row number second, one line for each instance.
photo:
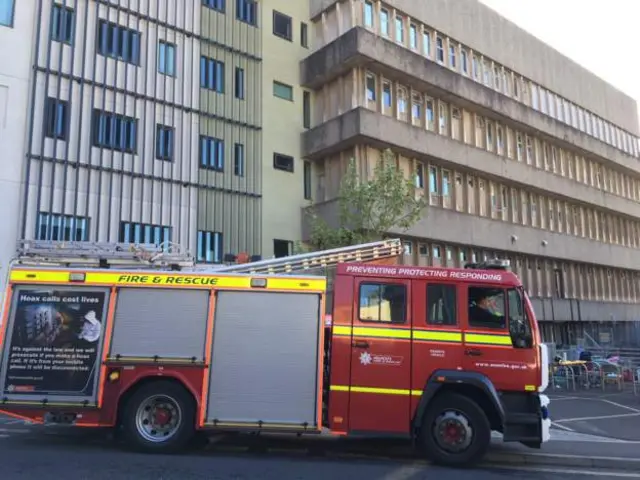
column 143, row 340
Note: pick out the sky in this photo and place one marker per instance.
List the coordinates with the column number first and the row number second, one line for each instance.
column 601, row 35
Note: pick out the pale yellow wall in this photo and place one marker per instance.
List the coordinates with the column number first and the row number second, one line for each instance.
column 283, row 124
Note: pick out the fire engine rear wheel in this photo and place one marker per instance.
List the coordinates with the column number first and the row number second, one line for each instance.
column 455, row 431
column 159, row 417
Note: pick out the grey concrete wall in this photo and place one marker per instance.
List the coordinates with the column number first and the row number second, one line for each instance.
column 483, row 29
column 570, row 310
column 449, row 226
column 361, row 47
column 364, row 126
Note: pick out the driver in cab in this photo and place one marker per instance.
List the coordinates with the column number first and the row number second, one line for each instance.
column 482, row 311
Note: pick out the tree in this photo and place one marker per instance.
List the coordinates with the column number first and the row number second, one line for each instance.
column 369, row 208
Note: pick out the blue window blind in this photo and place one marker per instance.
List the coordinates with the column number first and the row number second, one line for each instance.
column 116, row 132
column 68, row 228
column 118, row 42
column 212, row 74
column 212, row 153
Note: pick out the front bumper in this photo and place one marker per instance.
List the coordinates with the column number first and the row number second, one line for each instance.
column 545, row 419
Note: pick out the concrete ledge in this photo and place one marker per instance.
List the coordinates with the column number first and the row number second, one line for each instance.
column 360, row 47
column 361, row 125
column 454, row 228
column 555, row 460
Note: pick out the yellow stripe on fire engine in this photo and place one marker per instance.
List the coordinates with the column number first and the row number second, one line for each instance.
column 164, row 279
column 437, row 336
column 403, row 334
column 487, row 339
column 379, row 391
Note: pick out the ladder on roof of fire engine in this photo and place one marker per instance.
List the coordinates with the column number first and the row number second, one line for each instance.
column 102, row 254
column 126, row 255
column 366, row 252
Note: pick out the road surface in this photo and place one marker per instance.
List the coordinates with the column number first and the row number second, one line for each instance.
column 28, row 453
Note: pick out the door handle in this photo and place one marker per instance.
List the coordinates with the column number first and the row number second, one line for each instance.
column 472, row 352
column 360, row 344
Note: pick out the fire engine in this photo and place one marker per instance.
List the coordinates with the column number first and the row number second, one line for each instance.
column 143, row 340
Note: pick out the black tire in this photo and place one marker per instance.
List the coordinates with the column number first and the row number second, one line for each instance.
column 182, row 434
column 463, row 410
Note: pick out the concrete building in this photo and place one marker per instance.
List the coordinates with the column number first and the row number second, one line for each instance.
column 521, row 152
column 17, row 29
column 214, row 123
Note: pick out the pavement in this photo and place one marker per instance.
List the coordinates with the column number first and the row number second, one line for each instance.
column 593, row 434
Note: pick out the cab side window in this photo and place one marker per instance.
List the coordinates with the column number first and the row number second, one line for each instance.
column 441, row 305
column 487, row 308
column 383, row 302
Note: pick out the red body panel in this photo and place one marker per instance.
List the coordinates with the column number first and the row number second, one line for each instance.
column 361, row 391
column 385, row 364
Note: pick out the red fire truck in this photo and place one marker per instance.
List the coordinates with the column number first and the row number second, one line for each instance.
column 158, row 348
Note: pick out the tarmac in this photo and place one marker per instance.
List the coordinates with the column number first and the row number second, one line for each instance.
column 590, row 429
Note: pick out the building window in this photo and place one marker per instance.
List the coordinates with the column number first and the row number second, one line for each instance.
column 379, row 302
column 166, row 58
column 384, row 22
column 387, row 97
column 219, row 5
column 119, row 42
column 440, row 49
column 464, row 61
column 164, row 142
column 209, row 247
column 282, row 248
column 368, row 14
column 115, row 132
column 283, row 162
column 441, row 305
column 56, row 119
column 282, row 26
column 131, row 232
column 239, row 83
column 304, row 35
column 247, row 11
column 212, row 153
column 6, row 12
column 238, row 160
column 371, row 87
column 307, row 180
column 62, row 24
column 283, row 91
column 420, row 175
column 413, row 37
column 399, row 29
column 306, row 109
column 426, row 44
column 212, row 74
column 452, row 56
column 69, row 228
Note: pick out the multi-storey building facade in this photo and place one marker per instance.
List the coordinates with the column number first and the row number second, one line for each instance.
column 213, row 123
column 522, row 153
column 17, row 29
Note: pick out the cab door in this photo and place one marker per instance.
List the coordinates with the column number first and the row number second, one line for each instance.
column 379, row 399
column 495, row 348
column 437, row 333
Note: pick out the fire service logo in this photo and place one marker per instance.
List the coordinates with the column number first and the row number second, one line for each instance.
column 367, row 358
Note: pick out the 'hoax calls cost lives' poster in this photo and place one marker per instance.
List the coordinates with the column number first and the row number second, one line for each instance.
column 55, row 341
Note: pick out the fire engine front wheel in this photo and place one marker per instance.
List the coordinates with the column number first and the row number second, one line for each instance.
column 159, row 417
column 455, row 431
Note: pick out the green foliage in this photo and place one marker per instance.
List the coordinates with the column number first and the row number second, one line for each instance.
column 369, row 208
